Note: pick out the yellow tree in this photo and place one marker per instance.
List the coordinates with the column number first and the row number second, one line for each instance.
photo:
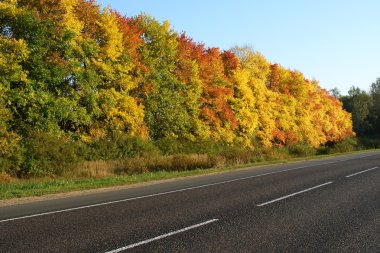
column 253, row 103
column 105, row 78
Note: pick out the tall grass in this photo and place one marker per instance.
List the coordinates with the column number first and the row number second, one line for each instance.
column 138, row 165
column 49, row 156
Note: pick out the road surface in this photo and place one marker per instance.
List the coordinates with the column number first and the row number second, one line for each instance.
column 324, row 205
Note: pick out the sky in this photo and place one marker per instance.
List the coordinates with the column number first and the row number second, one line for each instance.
column 336, row 42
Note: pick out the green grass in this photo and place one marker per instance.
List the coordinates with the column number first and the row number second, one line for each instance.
column 42, row 186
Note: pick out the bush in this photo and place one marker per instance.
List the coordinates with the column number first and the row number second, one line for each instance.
column 47, row 155
column 169, row 145
column 301, row 150
column 11, row 153
column 119, row 146
column 204, row 146
column 347, row 145
column 369, row 142
column 172, row 146
column 323, row 150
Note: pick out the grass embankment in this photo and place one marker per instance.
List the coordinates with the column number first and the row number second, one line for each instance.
column 16, row 188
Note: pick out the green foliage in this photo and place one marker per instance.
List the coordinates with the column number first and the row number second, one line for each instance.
column 47, row 155
column 301, row 150
column 169, row 145
column 359, row 103
column 119, row 146
column 369, row 142
column 203, row 146
column 166, row 115
column 375, row 110
column 347, row 145
column 165, row 107
column 11, row 152
column 365, row 109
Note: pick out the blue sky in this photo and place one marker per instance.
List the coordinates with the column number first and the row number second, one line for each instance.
column 336, row 42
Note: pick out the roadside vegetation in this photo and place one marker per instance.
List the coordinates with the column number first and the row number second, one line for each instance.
column 87, row 94
column 97, row 174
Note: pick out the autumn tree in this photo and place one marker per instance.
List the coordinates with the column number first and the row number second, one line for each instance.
column 253, row 102
column 217, row 92
column 13, row 52
column 188, row 73
column 165, row 111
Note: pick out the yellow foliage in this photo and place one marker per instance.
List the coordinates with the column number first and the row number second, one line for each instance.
column 123, row 113
column 12, row 52
column 253, row 102
column 112, row 47
column 69, row 18
column 9, row 8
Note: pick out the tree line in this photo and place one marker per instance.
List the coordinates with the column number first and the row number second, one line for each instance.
column 364, row 107
column 74, row 72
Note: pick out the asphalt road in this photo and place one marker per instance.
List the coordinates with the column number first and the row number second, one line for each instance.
column 325, row 205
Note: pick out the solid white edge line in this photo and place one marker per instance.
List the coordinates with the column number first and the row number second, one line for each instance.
column 174, row 191
column 293, row 194
column 162, row 236
column 360, row 172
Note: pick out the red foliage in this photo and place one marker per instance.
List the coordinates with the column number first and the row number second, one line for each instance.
column 132, row 40
column 213, row 66
column 279, row 137
column 230, row 61
column 216, row 94
column 186, row 49
column 89, row 13
column 274, row 78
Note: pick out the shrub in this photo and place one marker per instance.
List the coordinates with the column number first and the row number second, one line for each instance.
column 370, row 142
column 347, row 145
column 203, row 146
column 11, row 153
column 119, row 146
column 301, row 150
column 47, row 154
column 323, row 150
column 169, row 145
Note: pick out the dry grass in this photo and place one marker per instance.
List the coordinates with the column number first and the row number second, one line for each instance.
column 139, row 165
column 95, row 169
column 5, row 178
column 178, row 162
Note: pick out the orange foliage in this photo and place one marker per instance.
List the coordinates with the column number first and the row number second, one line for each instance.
column 132, row 40
column 89, row 13
column 234, row 95
column 213, row 67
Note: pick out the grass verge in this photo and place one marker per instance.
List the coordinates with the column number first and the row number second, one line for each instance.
column 17, row 188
